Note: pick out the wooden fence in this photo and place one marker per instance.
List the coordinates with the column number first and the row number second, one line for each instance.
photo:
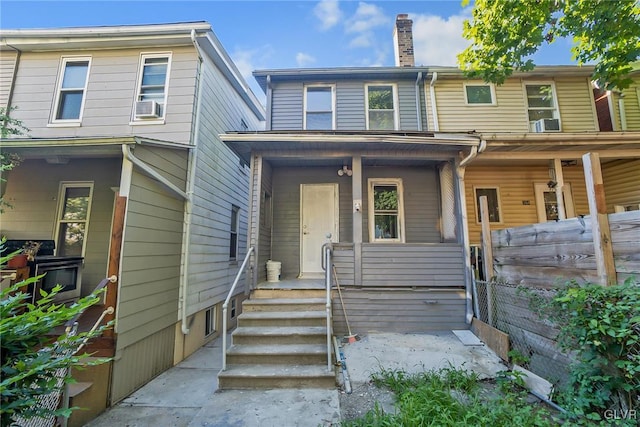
column 543, row 254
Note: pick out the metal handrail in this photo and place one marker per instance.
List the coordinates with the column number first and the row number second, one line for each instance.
column 226, row 304
column 326, row 258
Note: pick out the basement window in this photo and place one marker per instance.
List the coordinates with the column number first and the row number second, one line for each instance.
column 210, row 321
column 232, row 312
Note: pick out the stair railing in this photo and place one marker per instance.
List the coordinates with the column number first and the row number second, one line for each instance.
column 326, row 263
column 226, row 305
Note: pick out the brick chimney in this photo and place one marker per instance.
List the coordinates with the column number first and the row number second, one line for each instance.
column 403, row 41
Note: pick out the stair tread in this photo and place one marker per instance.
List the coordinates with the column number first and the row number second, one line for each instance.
column 290, row 371
column 275, row 349
column 285, row 301
column 280, row 330
column 78, row 387
column 282, row 314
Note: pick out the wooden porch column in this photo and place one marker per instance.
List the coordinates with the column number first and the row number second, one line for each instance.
column 115, row 250
column 599, row 220
column 253, row 229
column 487, row 255
column 557, row 166
column 356, row 190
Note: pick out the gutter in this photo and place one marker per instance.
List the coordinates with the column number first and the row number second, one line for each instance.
column 434, row 107
column 466, row 245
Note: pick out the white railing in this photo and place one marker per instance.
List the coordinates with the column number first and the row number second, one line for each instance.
column 326, row 264
column 226, row 304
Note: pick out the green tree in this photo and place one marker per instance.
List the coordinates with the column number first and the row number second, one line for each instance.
column 505, row 33
column 34, row 364
column 8, row 126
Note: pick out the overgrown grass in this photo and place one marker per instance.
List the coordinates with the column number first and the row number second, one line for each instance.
column 452, row 397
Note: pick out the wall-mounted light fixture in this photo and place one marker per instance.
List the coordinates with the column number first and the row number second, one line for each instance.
column 345, row 171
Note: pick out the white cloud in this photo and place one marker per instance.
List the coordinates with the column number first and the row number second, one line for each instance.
column 438, row 40
column 248, row 60
column 328, row 12
column 367, row 17
column 303, row 59
column 363, row 40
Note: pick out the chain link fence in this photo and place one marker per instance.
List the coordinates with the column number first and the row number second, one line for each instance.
column 532, row 339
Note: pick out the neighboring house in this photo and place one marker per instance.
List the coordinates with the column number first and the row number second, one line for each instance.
column 388, row 163
column 123, row 167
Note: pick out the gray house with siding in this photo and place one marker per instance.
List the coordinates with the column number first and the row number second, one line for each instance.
column 123, row 168
column 347, row 157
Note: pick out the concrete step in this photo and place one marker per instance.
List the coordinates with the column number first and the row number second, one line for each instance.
column 284, row 318
column 280, row 335
column 276, row 376
column 289, row 354
column 289, row 293
column 284, row 304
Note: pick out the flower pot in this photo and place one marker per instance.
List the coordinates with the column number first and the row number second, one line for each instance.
column 17, row 261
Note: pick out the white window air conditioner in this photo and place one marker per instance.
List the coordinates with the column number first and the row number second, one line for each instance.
column 547, row 125
column 147, row 110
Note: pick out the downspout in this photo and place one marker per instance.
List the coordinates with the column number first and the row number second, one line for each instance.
column 268, row 106
column 13, row 77
column 418, row 105
column 466, row 245
column 434, row 107
column 188, row 203
column 126, row 152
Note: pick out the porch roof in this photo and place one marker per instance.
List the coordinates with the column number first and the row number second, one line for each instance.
column 369, row 142
column 57, row 149
column 567, row 145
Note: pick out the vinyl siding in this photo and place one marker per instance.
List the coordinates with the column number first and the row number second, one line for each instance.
column 372, row 310
column 510, row 112
column 32, row 190
column 286, row 106
column 109, row 98
column 621, row 183
column 151, row 250
column 516, row 185
column 631, row 102
column 7, row 67
column 220, row 182
column 350, row 105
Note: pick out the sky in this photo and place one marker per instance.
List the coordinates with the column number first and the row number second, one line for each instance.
column 271, row 34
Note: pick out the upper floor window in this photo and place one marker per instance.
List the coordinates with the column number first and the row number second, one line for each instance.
column 319, row 107
column 151, row 94
column 381, row 107
column 73, row 218
column 479, row 94
column 542, row 107
column 386, row 210
column 72, row 86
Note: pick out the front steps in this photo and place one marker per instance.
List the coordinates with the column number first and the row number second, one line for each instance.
column 280, row 342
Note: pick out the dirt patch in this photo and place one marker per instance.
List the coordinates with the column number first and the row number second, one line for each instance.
column 362, row 399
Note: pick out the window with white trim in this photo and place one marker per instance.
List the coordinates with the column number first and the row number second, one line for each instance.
column 210, row 321
column 386, row 210
column 381, row 104
column 479, row 94
column 319, row 107
column 153, row 82
column 72, row 87
column 233, row 237
column 73, row 218
column 541, row 102
column 493, row 203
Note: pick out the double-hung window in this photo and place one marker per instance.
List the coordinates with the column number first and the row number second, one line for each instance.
column 386, row 210
column 72, row 87
column 541, row 102
column 152, row 86
column 479, row 94
column 233, row 236
column 319, row 110
column 73, row 218
column 382, row 111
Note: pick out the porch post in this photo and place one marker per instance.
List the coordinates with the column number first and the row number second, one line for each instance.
column 601, row 231
column 255, row 192
column 358, row 203
column 557, row 166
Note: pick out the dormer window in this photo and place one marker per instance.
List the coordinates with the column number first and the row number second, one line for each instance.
column 151, row 94
column 382, row 111
column 319, row 111
column 72, row 86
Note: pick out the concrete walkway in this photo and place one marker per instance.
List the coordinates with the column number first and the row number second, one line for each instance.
column 185, row 395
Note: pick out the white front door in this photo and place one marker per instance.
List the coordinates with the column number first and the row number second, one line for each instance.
column 547, row 202
column 319, row 223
